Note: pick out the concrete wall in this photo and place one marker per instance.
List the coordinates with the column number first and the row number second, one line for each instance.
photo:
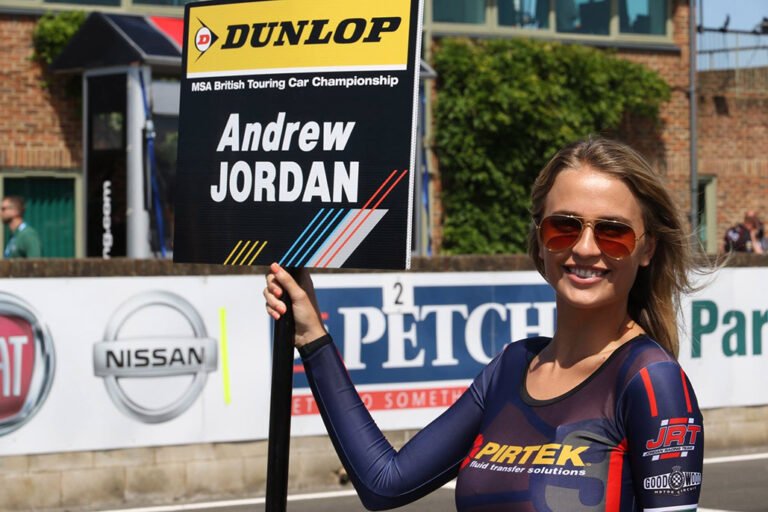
column 181, row 474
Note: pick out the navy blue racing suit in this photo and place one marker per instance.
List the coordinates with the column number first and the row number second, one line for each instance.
column 628, row 438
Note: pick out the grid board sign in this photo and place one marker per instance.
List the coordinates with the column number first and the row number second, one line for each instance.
column 297, row 133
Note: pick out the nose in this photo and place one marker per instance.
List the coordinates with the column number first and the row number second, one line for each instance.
column 586, row 245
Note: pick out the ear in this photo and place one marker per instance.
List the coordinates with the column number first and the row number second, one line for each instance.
column 649, row 248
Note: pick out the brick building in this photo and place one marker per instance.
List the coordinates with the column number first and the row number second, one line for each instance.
column 40, row 139
column 41, row 148
column 733, row 144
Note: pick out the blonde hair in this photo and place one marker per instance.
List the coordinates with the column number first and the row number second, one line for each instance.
column 655, row 295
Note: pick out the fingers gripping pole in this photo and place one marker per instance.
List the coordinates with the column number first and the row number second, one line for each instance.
column 279, row 442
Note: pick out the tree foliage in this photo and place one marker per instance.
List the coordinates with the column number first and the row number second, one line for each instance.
column 503, row 108
column 53, row 32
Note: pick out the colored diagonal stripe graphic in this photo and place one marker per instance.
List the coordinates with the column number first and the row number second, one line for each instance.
column 241, row 252
column 368, row 213
column 365, row 229
column 306, row 254
column 257, row 253
column 298, row 240
column 318, row 262
column 226, row 261
column 289, row 263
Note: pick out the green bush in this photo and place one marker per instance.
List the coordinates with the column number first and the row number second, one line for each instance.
column 503, row 108
column 53, row 32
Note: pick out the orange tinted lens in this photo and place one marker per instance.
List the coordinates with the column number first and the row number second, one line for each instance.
column 615, row 239
column 559, row 232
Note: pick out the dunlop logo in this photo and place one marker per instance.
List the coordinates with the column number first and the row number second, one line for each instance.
column 280, row 33
column 297, row 36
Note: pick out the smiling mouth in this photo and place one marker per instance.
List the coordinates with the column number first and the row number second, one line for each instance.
column 585, row 273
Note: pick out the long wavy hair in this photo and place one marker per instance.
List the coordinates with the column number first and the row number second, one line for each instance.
column 654, row 299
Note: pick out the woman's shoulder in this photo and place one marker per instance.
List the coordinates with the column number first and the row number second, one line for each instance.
column 648, row 365
column 644, row 351
column 654, row 382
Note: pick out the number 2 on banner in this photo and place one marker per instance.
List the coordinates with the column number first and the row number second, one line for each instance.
column 397, row 295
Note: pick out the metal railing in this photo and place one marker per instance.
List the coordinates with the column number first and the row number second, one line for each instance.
column 731, row 49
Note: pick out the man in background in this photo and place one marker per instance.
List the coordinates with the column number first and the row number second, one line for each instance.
column 746, row 236
column 24, row 241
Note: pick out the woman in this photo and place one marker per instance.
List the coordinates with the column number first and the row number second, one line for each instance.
column 600, row 416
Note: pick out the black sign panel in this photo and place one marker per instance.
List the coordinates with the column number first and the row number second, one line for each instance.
column 106, row 197
column 296, row 139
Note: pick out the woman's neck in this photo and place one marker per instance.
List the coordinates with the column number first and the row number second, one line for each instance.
column 583, row 333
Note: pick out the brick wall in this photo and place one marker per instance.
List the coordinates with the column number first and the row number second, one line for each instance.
column 733, row 140
column 41, row 124
column 667, row 146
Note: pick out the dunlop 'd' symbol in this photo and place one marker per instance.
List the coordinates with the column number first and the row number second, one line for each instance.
column 204, row 38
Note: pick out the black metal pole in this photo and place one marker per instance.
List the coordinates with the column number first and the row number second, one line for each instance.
column 279, row 443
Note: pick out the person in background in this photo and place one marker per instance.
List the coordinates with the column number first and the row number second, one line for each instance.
column 24, row 241
column 598, row 417
column 746, row 236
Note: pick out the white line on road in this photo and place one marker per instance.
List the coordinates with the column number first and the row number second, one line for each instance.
column 351, row 492
column 237, row 503
column 260, row 501
column 736, row 458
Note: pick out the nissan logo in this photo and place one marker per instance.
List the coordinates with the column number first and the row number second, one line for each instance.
column 121, row 357
column 27, row 362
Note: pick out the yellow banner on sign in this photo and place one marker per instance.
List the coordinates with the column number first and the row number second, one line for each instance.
column 297, row 36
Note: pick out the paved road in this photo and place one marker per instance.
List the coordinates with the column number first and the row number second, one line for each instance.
column 732, row 484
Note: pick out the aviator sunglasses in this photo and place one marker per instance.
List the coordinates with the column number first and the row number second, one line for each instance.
column 561, row 232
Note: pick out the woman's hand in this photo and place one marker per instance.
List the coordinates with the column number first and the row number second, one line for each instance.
column 306, row 314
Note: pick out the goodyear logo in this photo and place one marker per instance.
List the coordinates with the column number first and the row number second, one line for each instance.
column 297, row 36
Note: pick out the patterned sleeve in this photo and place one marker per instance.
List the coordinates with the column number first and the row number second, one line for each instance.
column 383, row 477
column 665, row 438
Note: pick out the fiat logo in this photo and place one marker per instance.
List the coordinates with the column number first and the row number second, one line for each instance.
column 27, row 362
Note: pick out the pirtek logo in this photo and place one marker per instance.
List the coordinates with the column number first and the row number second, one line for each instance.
column 309, row 32
column 544, row 454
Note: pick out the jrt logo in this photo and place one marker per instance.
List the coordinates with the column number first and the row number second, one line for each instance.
column 26, row 362
column 122, row 361
column 676, row 437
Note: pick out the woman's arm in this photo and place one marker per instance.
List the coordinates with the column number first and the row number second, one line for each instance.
column 385, row 478
column 665, row 437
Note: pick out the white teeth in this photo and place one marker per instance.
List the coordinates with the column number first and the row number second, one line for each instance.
column 585, row 273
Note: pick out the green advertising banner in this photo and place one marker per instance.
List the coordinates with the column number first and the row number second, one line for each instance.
column 297, row 133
